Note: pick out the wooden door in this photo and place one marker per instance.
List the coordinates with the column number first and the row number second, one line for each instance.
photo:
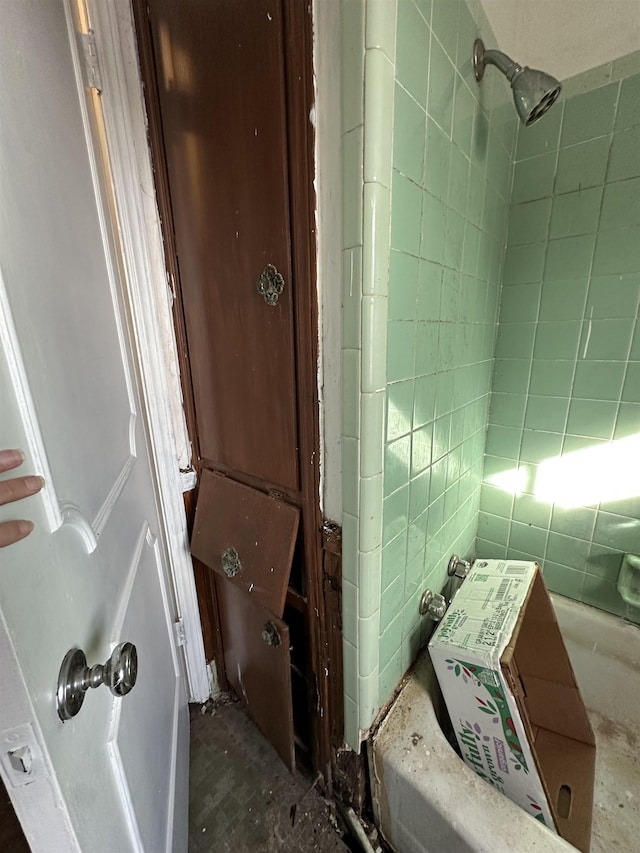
column 233, row 143
column 94, row 571
column 221, row 83
column 248, row 539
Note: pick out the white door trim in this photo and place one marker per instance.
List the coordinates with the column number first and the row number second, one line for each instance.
column 149, row 301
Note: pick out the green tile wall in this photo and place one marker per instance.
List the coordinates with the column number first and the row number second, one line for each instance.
column 452, row 157
column 368, row 57
column 428, row 176
column 567, row 369
column 352, row 125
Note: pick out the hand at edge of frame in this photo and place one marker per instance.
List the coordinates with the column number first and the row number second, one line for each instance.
column 14, row 490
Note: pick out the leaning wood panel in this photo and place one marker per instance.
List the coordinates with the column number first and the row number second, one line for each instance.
column 246, row 537
column 257, row 657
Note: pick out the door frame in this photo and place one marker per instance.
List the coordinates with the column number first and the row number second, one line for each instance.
column 149, row 297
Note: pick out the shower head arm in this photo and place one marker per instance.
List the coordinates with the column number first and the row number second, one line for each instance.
column 509, row 67
column 482, row 58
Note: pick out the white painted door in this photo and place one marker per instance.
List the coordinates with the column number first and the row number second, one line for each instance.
column 94, row 571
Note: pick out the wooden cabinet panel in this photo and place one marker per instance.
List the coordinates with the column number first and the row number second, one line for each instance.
column 229, row 87
column 221, row 82
column 257, row 659
column 246, row 537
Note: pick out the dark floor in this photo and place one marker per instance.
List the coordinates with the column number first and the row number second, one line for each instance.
column 12, row 838
column 242, row 798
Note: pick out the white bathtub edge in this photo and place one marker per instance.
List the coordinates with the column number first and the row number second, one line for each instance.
column 453, row 812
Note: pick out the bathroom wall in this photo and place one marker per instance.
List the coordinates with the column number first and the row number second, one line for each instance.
column 368, row 56
column 427, row 164
column 427, row 179
column 452, row 165
column 562, row 466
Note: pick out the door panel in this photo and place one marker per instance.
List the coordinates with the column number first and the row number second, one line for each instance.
column 82, row 277
column 258, row 665
column 259, row 529
column 94, row 571
column 220, row 71
column 70, row 392
column 252, row 587
column 144, row 618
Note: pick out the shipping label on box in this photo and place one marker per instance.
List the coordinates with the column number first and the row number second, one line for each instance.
column 466, row 651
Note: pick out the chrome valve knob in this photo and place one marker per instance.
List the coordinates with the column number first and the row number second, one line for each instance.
column 459, row 568
column 119, row 674
column 433, row 605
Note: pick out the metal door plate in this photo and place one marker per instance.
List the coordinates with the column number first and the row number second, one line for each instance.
column 70, row 694
column 270, row 284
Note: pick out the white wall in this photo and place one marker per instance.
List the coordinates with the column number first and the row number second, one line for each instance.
column 328, row 183
column 565, row 37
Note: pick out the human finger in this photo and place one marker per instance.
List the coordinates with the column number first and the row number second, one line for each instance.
column 18, row 488
column 10, row 459
column 14, row 531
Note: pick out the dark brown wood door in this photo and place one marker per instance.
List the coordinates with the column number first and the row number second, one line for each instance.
column 258, row 663
column 222, row 69
column 248, row 538
column 221, row 80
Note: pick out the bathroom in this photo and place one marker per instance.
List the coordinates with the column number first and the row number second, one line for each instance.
column 491, row 282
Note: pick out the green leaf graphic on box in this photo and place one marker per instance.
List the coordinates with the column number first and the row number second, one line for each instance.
column 487, row 707
column 483, row 677
column 460, row 670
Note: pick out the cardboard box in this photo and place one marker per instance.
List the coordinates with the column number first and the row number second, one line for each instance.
column 512, row 696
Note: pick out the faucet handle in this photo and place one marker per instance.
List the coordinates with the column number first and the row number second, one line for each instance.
column 433, row 605
column 459, row 568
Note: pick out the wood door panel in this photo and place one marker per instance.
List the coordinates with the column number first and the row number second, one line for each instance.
column 230, row 86
column 258, row 671
column 260, row 529
column 222, row 97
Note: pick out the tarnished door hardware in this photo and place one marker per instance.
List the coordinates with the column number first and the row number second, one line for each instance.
column 231, row 564
column 119, row 674
column 270, row 284
column 271, row 635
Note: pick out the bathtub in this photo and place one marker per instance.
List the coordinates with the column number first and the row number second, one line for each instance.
column 426, row 800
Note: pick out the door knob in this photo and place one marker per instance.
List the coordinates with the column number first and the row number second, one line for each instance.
column 119, row 674
column 270, row 284
column 271, row 635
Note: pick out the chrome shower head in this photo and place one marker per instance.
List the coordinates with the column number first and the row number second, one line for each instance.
column 533, row 91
